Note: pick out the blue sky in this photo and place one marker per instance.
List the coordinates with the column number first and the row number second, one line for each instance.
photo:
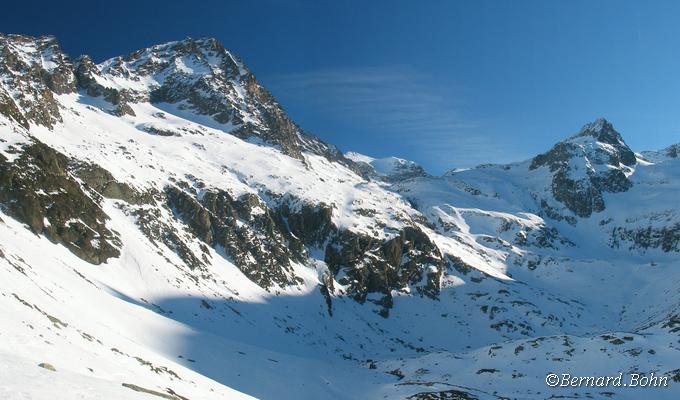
column 445, row 83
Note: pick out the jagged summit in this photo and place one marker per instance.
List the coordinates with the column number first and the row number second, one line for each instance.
column 201, row 76
column 586, row 165
column 192, row 57
column 602, row 130
column 598, row 143
column 607, row 139
column 197, row 76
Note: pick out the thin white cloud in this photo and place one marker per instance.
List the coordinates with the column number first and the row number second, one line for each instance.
column 396, row 103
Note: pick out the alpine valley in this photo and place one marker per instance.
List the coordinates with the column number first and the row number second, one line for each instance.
column 167, row 231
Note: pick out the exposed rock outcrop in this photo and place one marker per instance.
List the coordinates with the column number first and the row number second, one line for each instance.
column 666, row 238
column 101, row 180
column 36, row 69
column 37, row 189
column 264, row 243
column 366, row 265
column 244, row 229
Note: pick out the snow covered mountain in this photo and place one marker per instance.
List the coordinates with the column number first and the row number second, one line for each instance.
column 167, row 231
column 388, row 169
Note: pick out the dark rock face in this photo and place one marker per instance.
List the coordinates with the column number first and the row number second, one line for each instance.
column 151, row 223
column 666, row 238
column 36, row 69
column 407, row 172
column 86, row 72
column 580, row 196
column 265, row 242
column 101, row 180
column 310, row 224
column 244, row 229
column 37, row 190
column 152, row 130
column 673, row 151
column 10, row 110
column 443, row 395
column 579, row 172
column 367, row 265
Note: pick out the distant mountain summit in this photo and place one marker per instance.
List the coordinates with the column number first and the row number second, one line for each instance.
column 388, row 168
column 583, row 167
column 669, row 153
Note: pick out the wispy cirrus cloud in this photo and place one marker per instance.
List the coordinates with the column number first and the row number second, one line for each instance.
column 393, row 105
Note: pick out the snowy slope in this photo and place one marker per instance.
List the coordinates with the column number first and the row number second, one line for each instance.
column 167, row 231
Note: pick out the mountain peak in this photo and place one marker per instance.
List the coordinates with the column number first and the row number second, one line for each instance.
column 598, row 142
column 186, row 45
column 598, row 124
column 602, row 131
column 196, row 76
column 587, row 164
column 388, row 168
column 192, row 57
